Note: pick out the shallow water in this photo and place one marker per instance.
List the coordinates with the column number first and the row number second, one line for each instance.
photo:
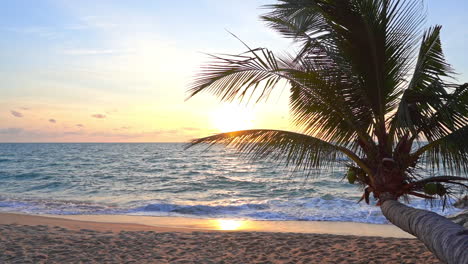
column 163, row 179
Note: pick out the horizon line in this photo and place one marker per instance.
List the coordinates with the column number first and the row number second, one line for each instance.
column 91, row 142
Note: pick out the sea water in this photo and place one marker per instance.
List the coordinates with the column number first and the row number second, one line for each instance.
column 165, row 179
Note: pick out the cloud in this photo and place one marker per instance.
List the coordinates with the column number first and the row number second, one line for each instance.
column 72, row 133
column 161, row 131
column 14, row 134
column 113, row 135
column 45, row 32
column 25, row 108
column 98, row 22
column 16, row 114
column 122, row 128
column 112, row 111
column 124, row 135
column 96, row 52
column 191, row 128
column 11, row 131
column 79, row 125
column 52, row 120
column 99, row 116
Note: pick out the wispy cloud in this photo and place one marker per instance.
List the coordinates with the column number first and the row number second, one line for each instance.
column 76, row 27
column 113, row 111
column 100, row 116
column 122, row 128
column 52, row 120
column 46, row 32
column 79, row 125
column 15, row 134
column 16, row 113
column 96, row 51
column 98, row 22
column 91, row 23
column 137, row 134
column 72, row 133
column 191, row 128
column 11, row 131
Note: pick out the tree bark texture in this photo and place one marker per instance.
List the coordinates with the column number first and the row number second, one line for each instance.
column 447, row 240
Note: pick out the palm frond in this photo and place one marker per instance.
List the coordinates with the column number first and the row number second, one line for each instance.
column 426, row 92
column 449, row 152
column 431, row 65
column 301, row 21
column 448, row 179
column 439, row 187
column 299, row 150
column 370, row 41
column 449, row 113
column 256, row 73
column 324, row 103
column 321, row 70
column 298, row 21
column 233, row 77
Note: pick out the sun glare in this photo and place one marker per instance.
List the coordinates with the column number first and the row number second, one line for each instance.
column 229, row 224
column 233, row 117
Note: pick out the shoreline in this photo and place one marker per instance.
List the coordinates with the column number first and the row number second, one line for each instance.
column 117, row 223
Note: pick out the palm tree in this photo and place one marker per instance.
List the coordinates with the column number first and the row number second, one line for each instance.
column 366, row 83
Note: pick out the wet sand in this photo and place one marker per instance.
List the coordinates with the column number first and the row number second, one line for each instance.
column 182, row 224
column 35, row 239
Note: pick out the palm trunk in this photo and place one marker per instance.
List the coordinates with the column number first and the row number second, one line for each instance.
column 447, row 240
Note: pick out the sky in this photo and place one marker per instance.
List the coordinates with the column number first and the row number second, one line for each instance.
column 118, row 71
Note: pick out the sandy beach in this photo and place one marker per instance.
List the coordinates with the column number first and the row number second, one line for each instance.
column 37, row 239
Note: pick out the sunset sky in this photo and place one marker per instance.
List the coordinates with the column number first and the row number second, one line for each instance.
column 118, row 71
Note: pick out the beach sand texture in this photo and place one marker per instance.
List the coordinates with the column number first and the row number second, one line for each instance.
column 92, row 244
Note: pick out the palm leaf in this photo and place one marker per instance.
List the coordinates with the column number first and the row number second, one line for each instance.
column 448, row 113
column 449, row 152
column 296, row 149
column 239, row 76
column 426, row 92
column 299, row 21
column 341, row 119
column 419, row 185
column 255, row 73
column 370, row 41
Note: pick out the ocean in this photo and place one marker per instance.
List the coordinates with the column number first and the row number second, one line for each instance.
column 165, row 179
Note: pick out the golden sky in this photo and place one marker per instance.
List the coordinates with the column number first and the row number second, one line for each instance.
column 118, row 71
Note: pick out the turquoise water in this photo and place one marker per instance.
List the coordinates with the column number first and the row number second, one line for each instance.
column 163, row 179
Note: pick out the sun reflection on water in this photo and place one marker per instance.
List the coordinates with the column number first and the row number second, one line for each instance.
column 224, row 224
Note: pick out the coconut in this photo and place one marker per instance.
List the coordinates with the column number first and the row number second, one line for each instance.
column 441, row 190
column 351, row 175
column 430, row 188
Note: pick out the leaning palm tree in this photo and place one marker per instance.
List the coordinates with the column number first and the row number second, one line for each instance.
column 366, row 82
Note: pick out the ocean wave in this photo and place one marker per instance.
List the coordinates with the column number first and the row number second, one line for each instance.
column 24, row 176
column 47, row 186
column 326, row 208
column 59, row 207
column 165, row 180
column 310, row 209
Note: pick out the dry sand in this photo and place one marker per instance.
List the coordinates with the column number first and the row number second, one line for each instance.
column 33, row 239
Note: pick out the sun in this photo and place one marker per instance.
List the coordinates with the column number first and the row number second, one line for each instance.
column 229, row 118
